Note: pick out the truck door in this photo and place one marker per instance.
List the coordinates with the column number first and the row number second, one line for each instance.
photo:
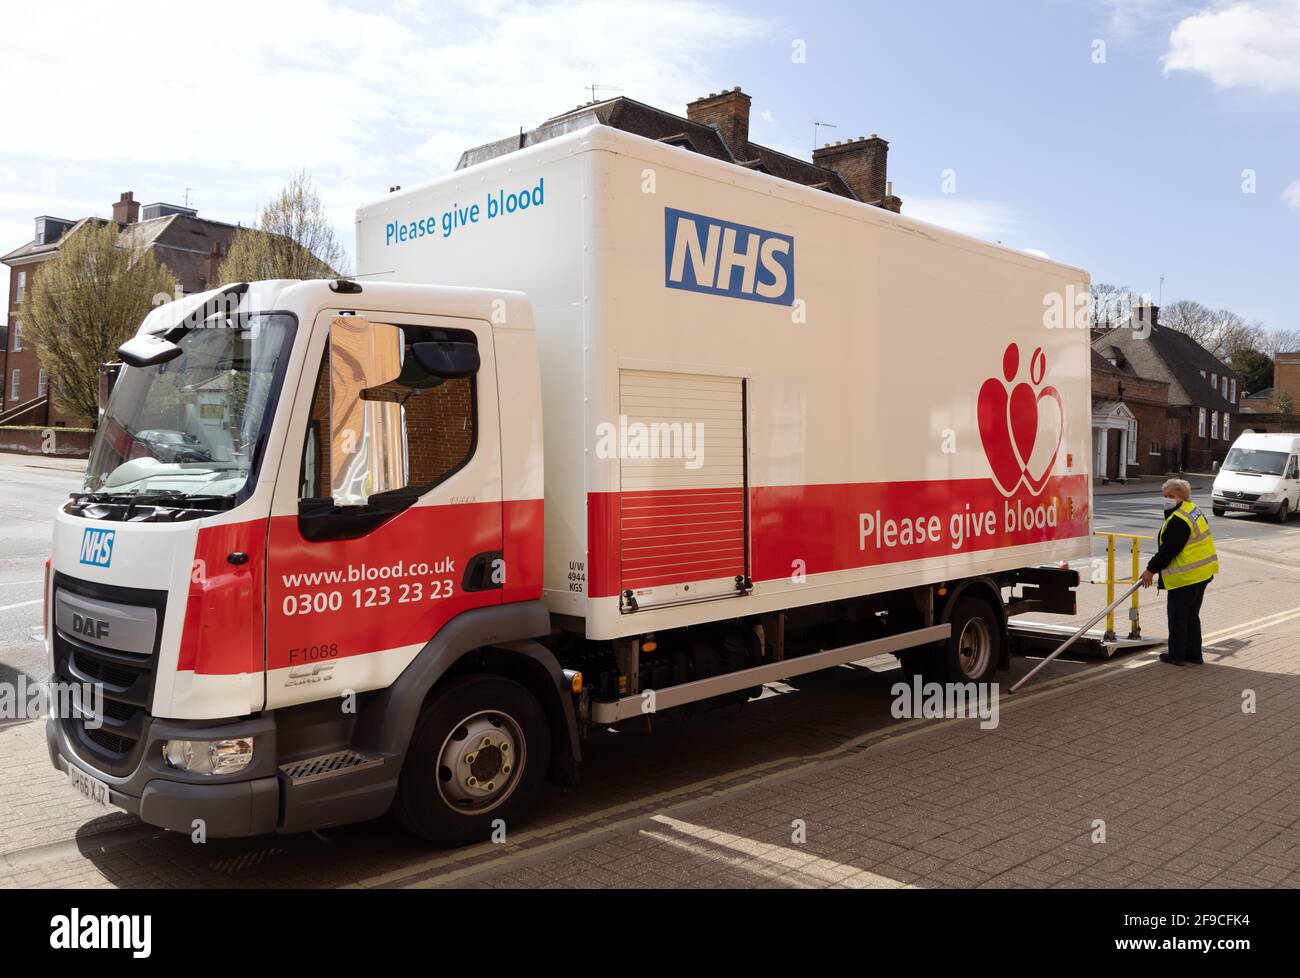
column 382, row 533
column 684, row 513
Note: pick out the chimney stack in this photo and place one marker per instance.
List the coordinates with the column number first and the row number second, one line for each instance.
column 728, row 112
column 862, row 163
column 126, row 210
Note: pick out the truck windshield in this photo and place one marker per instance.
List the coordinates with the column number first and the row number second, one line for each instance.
column 1256, row 461
column 189, row 428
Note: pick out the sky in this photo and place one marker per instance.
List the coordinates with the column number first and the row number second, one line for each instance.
column 1153, row 142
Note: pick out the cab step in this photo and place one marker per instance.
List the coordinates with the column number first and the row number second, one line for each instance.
column 331, row 765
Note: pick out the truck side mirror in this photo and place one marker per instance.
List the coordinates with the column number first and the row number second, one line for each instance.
column 447, row 359
column 367, row 437
column 147, row 351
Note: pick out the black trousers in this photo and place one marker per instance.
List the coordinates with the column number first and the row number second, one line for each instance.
column 1184, row 604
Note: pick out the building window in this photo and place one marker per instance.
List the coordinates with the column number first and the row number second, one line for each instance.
column 1132, row 442
column 1202, row 373
column 42, row 384
column 1200, row 424
column 1226, row 436
column 1214, row 424
column 1225, row 388
column 18, row 336
column 13, row 384
column 22, row 287
column 1155, row 448
column 1232, row 398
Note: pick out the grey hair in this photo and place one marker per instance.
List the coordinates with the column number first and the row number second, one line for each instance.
column 1179, row 487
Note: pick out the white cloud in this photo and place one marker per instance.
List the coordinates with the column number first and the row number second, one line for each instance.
column 1129, row 18
column 1241, row 45
column 363, row 95
column 979, row 218
column 1292, row 195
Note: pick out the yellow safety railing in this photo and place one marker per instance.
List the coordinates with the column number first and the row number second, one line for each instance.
column 1135, row 627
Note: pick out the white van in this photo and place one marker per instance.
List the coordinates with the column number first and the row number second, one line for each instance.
column 1260, row 475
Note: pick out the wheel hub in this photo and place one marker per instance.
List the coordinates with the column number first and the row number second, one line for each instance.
column 479, row 764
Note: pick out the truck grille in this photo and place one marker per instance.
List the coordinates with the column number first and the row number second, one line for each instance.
column 1248, row 497
column 113, row 745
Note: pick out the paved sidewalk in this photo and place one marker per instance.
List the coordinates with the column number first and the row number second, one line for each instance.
column 1189, row 790
column 1200, row 482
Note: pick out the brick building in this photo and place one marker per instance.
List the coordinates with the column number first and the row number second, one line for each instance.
column 1203, row 390
column 717, row 125
column 192, row 247
column 1130, row 422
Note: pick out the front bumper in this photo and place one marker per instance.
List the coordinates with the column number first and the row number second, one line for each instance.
column 1263, row 507
column 247, row 803
column 267, row 796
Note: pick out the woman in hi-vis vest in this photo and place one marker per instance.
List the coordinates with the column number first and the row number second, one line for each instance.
column 1186, row 562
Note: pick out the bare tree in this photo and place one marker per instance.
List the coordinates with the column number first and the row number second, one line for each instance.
column 293, row 239
column 87, row 300
column 1220, row 331
column 1113, row 305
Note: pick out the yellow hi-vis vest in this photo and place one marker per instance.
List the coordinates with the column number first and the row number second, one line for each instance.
column 1198, row 560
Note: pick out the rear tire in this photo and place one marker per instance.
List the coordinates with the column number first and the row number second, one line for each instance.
column 971, row 654
column 479, row 753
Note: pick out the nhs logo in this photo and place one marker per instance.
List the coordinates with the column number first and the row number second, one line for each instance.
column 708, row 254
column 97, row 547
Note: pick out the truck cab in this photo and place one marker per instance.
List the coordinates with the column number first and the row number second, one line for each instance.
column 295, row 487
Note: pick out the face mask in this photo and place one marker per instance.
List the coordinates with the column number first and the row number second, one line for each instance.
column 1169, row 503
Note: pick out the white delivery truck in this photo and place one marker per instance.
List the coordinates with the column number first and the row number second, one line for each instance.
column 1261, row 474
column 601, row 427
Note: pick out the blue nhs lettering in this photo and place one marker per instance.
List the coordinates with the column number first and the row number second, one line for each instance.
column 707, row 254
column 97, row 547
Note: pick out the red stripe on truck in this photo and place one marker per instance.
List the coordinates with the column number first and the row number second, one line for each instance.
column 817, row 529
column 394, row 587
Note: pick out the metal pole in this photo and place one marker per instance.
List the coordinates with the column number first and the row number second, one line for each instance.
column 1079, row 634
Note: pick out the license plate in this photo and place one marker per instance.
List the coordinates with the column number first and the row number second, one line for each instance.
column 1239, row 505
column 91, row 789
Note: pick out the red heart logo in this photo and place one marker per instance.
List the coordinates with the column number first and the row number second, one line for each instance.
column 1010, row 424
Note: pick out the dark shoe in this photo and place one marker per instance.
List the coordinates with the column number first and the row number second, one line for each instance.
column 1166, row 657
column 1196, row 662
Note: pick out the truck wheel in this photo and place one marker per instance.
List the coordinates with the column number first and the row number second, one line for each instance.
column 972, row 651
column 479, row 753
column 1284, row 511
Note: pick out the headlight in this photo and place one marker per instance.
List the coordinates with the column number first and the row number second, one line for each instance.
column 209, row 756
column 1267, row 497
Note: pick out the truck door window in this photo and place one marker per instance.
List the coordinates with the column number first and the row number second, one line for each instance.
column 437, row 433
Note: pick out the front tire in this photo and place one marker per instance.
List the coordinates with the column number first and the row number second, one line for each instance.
column 479, row 753
column 1283, row 511
column 1219, row 510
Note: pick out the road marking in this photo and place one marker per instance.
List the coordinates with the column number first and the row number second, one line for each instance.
column 20, row 604
column 777, row 863
column 35, row 580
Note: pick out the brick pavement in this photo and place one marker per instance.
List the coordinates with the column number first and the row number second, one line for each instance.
column 1192, row 791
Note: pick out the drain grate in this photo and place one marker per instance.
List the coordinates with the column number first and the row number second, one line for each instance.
column 329, row 766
